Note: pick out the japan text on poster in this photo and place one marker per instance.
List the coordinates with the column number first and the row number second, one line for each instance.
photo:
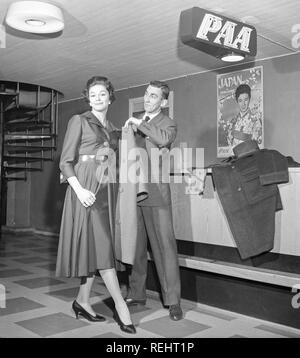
column 240, row 109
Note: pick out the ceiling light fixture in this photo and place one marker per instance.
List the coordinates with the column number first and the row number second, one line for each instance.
column 232, row 57
column 35, row 16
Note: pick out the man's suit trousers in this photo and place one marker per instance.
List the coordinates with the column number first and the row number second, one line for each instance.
column 155, row 222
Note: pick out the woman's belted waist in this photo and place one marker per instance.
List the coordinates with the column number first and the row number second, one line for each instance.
column 92, row 157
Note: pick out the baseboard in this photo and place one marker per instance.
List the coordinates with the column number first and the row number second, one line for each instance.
column 250, row 298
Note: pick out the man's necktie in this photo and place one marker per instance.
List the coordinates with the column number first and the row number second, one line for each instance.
column 146, row 119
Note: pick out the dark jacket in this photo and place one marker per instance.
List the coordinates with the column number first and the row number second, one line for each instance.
column 247, row 188
column 159, row 133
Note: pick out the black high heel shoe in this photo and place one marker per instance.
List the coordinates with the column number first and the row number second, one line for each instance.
column 79, row 310
column 128, row 328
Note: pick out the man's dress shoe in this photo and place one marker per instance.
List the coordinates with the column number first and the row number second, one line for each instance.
column 175, row 312
column 133, row 302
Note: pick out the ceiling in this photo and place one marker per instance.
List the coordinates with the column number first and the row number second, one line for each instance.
column 133, row 41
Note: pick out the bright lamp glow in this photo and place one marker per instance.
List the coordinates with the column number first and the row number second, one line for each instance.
column 35, row 16
column 35, row 22
column 232, row 57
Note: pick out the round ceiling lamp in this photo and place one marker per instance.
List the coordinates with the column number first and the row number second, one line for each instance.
column 232, row 57
column 35, row 17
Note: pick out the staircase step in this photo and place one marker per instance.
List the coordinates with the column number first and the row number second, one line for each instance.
column 30, row 125
column 22, row 159
column 24, row 120
column 14, row 148
column 17, row 111
column 11, row 169
column 14, row 178
column 8, row 94
column 7, row 97
column 14, row 114
column 16, row 136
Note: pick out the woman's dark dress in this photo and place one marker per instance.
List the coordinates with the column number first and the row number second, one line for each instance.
column 86, row 234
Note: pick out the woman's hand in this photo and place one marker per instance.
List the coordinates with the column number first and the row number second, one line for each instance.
column 86, row 197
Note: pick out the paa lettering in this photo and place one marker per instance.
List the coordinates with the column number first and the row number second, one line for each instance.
column 214, row 24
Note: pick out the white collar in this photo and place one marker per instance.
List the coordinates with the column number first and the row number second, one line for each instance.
column 150, row 115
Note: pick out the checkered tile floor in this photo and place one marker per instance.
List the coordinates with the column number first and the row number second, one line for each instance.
column 34, row 303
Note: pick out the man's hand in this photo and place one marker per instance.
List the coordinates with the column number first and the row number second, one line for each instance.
column 134, row 122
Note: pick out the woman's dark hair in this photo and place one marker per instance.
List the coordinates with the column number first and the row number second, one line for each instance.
column 99, row 80
column 242, row 89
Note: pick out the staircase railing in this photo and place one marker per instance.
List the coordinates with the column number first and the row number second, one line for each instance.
column 28, row 131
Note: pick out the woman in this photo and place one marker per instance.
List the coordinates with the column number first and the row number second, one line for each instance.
column 246, row 125
column 86, row 234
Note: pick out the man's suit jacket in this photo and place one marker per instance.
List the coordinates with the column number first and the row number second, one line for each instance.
column 159, row 133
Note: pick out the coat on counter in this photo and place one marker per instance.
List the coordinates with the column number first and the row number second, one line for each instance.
column 248, row 191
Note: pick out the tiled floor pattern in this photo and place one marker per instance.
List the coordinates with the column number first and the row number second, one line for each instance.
column 38, row 304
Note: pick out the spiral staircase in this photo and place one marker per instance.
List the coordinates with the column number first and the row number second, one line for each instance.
column 28, row 132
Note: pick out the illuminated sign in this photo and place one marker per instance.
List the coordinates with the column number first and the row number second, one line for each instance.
column 216, row 34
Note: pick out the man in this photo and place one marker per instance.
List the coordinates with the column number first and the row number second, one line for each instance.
column 155, row 130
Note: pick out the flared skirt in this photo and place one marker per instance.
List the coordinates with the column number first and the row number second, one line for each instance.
column 86, row 234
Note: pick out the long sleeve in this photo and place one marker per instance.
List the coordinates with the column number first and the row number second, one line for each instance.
column 160, row 136
column 272, row 167
column 70, row 147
